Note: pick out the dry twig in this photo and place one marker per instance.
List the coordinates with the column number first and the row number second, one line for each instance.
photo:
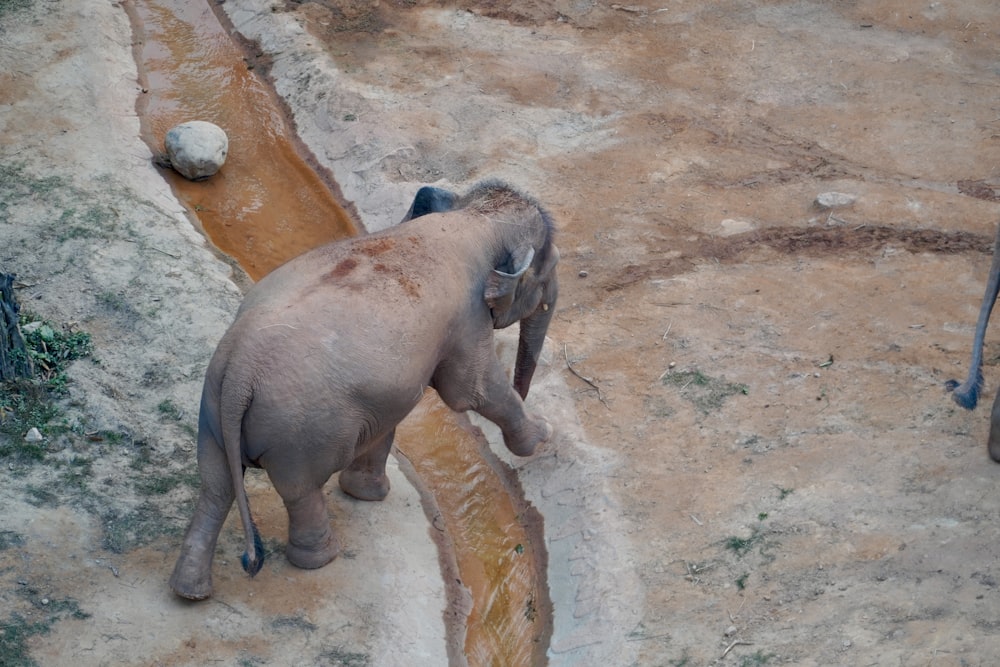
column 735, row 643
column 593, row 384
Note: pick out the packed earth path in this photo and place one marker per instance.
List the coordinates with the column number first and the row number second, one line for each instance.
column 775, row 221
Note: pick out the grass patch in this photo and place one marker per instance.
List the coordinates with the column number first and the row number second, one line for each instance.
column 158, row 485
column 8, row 7
column 170, row 410
column 14, row 635
column 705, row 392
column 343, row 658
column 292, row 623
column 125, row 530
column 741, row 545
column 15, row 630
column 27, row 403
column 9, row 538
column 756, row 658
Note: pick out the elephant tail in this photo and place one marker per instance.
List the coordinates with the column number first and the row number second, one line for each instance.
column 232, row 436
column 967, row 393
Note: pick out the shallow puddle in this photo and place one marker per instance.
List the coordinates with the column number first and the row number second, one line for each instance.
column 266, row 206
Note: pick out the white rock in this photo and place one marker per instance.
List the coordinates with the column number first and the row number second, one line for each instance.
column 731, row 226
column 33, row 435
column 834, row 200
column 196, row 149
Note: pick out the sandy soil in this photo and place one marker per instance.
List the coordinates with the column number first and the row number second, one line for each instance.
column 761, row 467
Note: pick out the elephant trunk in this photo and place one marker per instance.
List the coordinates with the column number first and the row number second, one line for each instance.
column 532, row 338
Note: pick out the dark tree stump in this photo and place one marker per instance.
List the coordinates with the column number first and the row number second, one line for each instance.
column 14, row 359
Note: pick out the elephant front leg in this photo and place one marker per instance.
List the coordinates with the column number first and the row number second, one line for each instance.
column 497, row 401
column 365, row 478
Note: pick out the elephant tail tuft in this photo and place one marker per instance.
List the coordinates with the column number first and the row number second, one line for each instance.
column 252, row 563
column 967, row 393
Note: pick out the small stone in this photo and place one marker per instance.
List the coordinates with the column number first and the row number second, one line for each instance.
column 731, row 630
column 33, row 435
column 45, row 601
column 834, row 200
column 196, row 149
column 583, row 274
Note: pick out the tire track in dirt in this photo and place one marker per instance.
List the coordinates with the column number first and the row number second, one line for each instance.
column 807, row 241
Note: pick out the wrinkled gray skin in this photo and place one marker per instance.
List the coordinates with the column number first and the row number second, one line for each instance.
column 333, row 349
column 967, row 393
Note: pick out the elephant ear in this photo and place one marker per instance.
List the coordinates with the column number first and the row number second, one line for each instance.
column 431, row 200
column 502, row 286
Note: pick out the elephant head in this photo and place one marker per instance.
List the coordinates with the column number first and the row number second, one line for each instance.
column 522, row 286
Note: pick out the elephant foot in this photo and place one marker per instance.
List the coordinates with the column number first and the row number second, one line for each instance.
column 364, row 484
column 310, row 557
column 190, row 580
column 539, row 433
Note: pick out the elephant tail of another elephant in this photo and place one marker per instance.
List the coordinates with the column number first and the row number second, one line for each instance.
column 967, row 393
column 232, row 437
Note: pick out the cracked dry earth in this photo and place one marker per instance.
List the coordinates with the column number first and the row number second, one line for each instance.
column 756, row 460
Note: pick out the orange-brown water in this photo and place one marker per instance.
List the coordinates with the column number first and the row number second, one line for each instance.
column 267, row 206
column 497, row 559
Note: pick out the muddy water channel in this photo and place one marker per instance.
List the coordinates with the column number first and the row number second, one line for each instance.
column 268, row 205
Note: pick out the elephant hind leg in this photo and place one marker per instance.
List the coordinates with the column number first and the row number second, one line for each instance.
column 311, row 542
column 365, row 478
column 994, row 438
column 192, row 575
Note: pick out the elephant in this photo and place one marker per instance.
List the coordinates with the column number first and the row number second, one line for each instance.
column 966, row 394
column 329, row 352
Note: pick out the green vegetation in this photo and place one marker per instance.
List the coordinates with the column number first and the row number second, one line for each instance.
column 741, row 545
column 338, row 657
column 15, row 630
column 27, row 403
column 168, row 409
column 14, row 635
column 127, row 529
column 756, row 658
column 9, row 6
column 705, row 392
column 9, row 538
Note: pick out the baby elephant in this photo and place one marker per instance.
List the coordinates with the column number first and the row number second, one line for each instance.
column 333, row 349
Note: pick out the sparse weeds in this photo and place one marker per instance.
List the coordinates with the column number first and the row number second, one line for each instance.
column 28, row 403
column 343, row 658
column 16, row 630
column 125, row 530
column 14, row 635
column 9, row 538
column 170, row 410
column 741, row 545
column 756, row 658
column 705, row 392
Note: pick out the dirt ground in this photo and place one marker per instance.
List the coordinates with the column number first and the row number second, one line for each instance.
column 755, row 461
